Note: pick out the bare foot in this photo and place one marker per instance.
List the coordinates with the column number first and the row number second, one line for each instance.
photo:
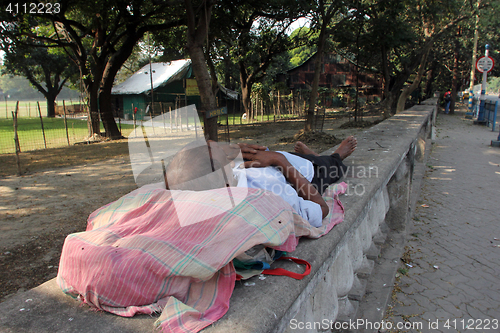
column 346, row 147
column 301, row 148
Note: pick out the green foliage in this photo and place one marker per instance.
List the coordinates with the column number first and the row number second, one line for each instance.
column 306, row 39
column 99, row 36
column 494, row 84
column 251, row 40
column 47, row 69
column 490, row 33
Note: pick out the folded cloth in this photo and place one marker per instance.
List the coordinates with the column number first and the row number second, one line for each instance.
column 137, row 256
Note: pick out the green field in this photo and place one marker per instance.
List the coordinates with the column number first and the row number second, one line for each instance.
column 31, row 136
column 26, row 108
column 237, row 120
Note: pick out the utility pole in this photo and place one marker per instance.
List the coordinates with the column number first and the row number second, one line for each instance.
column 150, row 75
column 473, row 65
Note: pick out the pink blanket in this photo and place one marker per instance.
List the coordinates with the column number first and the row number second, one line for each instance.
column 139, row 255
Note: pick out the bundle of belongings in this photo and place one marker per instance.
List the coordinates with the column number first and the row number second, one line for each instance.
column 139, row 255
column 172, row 247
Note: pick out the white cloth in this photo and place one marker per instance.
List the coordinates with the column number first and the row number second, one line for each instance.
column 271, row 179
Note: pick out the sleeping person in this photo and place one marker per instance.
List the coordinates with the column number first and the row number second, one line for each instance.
column 300, row 177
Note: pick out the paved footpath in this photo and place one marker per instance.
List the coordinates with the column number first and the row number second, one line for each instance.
column 450, row 281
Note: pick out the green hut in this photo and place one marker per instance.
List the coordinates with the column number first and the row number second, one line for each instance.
column 158, row 87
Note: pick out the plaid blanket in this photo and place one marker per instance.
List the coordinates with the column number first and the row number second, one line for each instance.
column 138, row 257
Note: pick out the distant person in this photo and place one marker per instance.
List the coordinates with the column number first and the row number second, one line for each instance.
column 447, row 102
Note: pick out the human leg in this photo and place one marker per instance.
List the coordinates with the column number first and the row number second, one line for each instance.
column 301, row 148
column 328, row 169
column 346, row 147
column 447, row 107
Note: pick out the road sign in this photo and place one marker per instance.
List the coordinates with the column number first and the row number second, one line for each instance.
column 485, row 64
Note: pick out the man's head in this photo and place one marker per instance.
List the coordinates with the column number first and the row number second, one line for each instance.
column 199, row 166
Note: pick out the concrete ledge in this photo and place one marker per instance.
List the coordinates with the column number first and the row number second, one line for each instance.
column 380, row 179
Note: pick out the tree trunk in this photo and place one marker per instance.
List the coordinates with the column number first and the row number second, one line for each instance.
column 428, row 91
column 51, row 100
column 108, row 77
column 227, row 74
column 408, row 90
column 212, row 71
column 387, row 82
column 317, row 73
column 246, row 83
column 50, row 91
column 196, row 34
column 206, row 93
column 454, row 80
column 107, row 117
column 390, row 102
column 246, row 92
column 93, row 113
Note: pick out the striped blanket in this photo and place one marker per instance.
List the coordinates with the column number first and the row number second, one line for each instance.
column 137, row 257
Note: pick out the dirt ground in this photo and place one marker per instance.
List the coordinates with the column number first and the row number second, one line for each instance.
column 59, row 188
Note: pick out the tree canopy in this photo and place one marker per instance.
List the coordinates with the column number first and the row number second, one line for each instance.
column 47, row 70
column 414, row 45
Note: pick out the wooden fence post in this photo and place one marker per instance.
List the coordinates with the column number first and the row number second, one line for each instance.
column 262, row 109
column 65, row 123
column 170, row 115
column 163, row 117
column 151, row 117
column 16, row 139
column 180, row 115
column 41, row 122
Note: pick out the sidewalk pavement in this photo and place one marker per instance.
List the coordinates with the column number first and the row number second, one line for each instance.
column 449, row 280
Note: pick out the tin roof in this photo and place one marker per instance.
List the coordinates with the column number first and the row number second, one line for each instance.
column 163, row 73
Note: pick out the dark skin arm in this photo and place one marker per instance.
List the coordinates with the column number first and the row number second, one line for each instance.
column 304, row 188
column 232, row 150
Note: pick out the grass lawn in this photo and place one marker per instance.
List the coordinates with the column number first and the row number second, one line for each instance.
column 31, row 136
column 237, row 120
column 27, row 108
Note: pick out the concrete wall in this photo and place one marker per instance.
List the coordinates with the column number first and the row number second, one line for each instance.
column 383, row 174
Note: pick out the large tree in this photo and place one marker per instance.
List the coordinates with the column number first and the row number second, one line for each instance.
column 198, row 21
column 99, row 36
column 400, row 37
column 47, row 70
column 255, row 33
column 323, row 15
column 429, row 21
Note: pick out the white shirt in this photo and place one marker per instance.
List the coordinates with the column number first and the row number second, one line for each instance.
column 271, row 179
